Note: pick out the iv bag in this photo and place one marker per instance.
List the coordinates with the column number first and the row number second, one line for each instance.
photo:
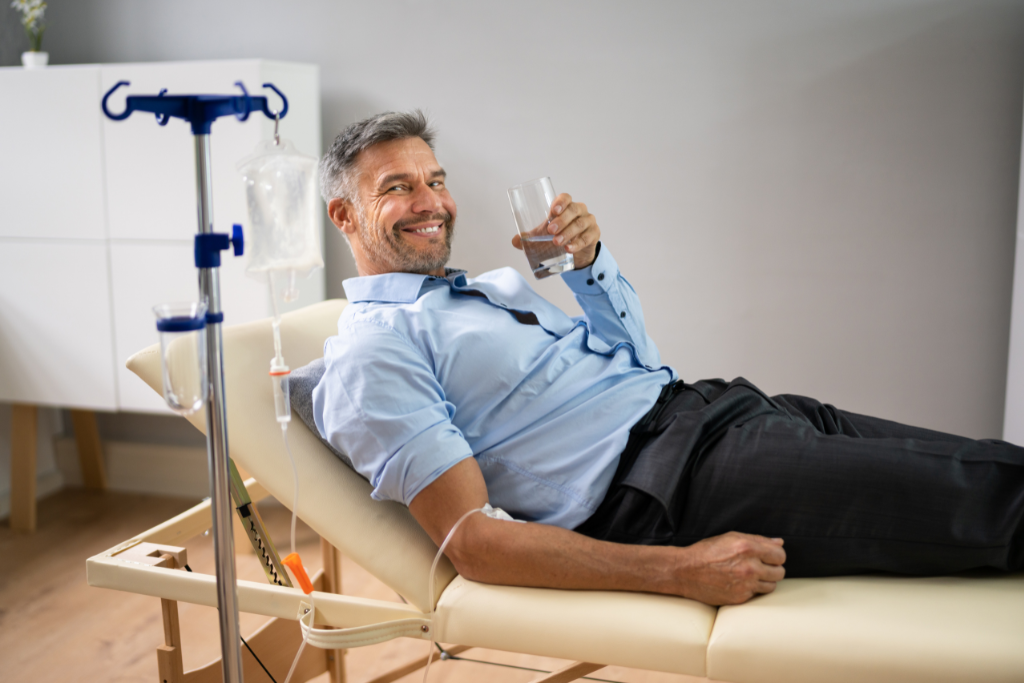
column 281, row 195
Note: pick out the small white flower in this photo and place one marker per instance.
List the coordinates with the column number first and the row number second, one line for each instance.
column 32, row 12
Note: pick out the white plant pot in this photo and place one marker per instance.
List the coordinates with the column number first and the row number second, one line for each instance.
column 35, row 60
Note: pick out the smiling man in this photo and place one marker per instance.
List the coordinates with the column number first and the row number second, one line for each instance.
column 449, row 393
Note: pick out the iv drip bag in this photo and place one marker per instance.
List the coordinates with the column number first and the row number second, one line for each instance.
column 281, row 195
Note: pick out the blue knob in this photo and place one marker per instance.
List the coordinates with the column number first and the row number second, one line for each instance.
column 237, row 239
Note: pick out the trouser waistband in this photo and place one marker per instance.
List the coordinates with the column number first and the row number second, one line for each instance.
column 640, row 433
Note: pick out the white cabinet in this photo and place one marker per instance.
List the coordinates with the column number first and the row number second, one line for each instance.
column 51, row 165
column 97, row 219
column 56, row 336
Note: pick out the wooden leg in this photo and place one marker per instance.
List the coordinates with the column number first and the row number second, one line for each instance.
column 572, row 672
column 168, row 655
column 90, row 449
column 24, row 425
column 275, row 643
column 332, row 584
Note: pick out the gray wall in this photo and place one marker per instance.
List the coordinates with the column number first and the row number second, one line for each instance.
column 818, row 196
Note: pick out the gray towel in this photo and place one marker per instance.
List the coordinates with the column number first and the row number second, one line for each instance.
column 301, row 384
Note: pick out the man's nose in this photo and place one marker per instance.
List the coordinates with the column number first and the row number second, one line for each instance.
column 425, row 200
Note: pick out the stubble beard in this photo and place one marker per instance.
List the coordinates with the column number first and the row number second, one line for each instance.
column 389, row 250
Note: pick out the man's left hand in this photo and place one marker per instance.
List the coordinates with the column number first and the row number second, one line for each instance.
column 574, row 228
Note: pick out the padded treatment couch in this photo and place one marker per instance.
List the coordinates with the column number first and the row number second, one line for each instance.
column 856, row 629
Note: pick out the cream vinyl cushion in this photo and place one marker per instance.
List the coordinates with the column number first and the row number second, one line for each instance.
column 880, row 629
column 648, row 631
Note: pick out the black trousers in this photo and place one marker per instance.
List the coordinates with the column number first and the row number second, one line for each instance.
column 847, row 492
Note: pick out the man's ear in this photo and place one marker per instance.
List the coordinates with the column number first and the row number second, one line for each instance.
column 342, row 214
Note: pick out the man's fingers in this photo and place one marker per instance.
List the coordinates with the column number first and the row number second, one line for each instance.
column 765, row 587
column 517, row 242
column 570, row 213
column 773, row 554
column 773, row 573
column 574, row 230
column 561, row 203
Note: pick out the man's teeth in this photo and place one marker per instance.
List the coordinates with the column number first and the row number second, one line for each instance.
column 427, row 231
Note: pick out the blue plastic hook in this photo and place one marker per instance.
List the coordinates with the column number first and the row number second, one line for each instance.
column 127, row 110
column 199, row 110
column 248, row 103
column 266, row 109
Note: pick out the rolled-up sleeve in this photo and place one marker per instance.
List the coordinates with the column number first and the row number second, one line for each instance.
column 611, row 306
column 380, row 402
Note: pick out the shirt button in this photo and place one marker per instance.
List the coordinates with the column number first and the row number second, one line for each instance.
column 622, row 315
column 590, row 281
column 600, row 276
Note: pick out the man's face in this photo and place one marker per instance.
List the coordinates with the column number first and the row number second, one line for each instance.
column 404, row 216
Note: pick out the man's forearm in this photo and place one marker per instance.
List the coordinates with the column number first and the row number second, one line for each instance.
column 501, row 552
column 722, row 570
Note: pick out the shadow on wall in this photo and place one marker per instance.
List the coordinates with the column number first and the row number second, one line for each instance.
column 878, row 200
column 338, row 110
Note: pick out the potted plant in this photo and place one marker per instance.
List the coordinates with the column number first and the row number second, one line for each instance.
column 32, row 19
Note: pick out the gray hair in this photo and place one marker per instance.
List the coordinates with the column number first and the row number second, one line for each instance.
column 338, row 178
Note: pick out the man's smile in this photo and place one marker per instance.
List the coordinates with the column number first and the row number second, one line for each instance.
column 427, row 230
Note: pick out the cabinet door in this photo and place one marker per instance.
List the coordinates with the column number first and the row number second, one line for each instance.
column 151, row 182
column 56, row 345
column 51, row 178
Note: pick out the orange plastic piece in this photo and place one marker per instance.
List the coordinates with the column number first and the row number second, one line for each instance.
column 294, row 562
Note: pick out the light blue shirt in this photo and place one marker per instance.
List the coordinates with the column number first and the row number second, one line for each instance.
column 423, row 375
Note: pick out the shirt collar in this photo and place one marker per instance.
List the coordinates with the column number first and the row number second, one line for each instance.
column 398, row 288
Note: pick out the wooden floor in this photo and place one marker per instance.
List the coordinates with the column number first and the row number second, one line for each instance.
column 54, row 627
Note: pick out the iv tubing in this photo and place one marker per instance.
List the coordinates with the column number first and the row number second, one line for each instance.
column 430, row 587
column 305, row 635
column 277, row 322
column 295, row 478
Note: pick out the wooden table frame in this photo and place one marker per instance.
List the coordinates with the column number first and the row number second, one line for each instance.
column 149, row 564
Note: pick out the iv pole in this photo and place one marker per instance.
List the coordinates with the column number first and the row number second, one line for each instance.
column 201, row 111
column 216, row 430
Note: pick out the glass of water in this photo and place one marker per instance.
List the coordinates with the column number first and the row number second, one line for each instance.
column 531, row 205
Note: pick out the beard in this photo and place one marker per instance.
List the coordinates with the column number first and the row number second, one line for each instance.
column 389, row 249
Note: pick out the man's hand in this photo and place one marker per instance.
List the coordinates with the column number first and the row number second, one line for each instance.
column 732, row 568
column 574, row 228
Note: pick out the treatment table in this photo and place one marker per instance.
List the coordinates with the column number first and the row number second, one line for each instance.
column 846, row 629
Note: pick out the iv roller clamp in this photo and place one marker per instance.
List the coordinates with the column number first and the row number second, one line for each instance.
column 201, row 111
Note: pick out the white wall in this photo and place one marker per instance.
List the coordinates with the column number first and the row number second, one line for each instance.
column 818, row 196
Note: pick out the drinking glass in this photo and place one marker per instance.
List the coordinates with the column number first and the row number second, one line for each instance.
column 531, row 205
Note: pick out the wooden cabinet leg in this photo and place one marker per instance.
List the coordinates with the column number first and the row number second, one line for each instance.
column 24, row 426
column 90, row 449
column 332, row 584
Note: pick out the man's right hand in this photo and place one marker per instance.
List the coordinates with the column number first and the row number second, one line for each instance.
column 731, row 568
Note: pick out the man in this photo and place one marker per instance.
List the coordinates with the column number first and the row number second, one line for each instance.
column 449, row 393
